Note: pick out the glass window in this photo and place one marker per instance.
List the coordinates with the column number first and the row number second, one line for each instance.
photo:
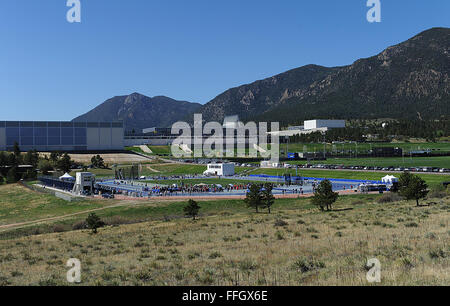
column 54, row 132
column 92, row 124
column 80, row 132
column 12, row 132
column 40, row 141
column 105, row 125
column 11, row 140
column 67, row 132
column 26, row 141
column 40, row 132
column 67, row 141
column 80, row 140
column 26, row 132
column 12, row 124
column 54, row 141
column 80, row 124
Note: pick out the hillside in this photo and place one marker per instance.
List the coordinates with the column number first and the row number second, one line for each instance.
column 232, row 245
column 409, row 80
column 139, row 111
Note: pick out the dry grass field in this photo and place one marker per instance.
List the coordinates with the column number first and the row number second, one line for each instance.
column 296, row 245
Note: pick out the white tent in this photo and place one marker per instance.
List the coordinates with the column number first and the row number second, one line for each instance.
column 67, row 177
column 389, row 179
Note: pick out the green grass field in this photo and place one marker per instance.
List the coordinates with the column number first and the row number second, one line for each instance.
column 18, row 204
column 160, row 150
column 364, row 147
column 441, row 162
column 360, row 148
column 431, row 179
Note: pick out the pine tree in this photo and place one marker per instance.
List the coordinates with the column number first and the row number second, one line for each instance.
column 94, row 222
column 253, row 198
column 412, row 187
column 192, row 209
column 324, row 197
column 267, row 197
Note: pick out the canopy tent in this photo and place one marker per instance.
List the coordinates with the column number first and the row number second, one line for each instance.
column 67, row 177
column 389, row 179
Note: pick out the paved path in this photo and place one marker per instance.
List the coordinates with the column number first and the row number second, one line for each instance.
column 145, row 149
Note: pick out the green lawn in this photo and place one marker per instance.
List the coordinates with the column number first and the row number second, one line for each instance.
column 160, row 150
column 319, row 147
column 175, row 169
column 364, row 147
column 441, row 162
column 18, row 204
column 431, row 179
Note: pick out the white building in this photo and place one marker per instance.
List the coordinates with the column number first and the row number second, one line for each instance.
column 269, row 164
column 220, row 169
column 330, row 124
column 84, row 183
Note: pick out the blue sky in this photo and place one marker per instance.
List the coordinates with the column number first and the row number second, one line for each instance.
column 185, row 49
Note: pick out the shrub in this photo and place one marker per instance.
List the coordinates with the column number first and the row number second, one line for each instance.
column 117, row 220
column 215, row 255
column 281, row 222
column 94, row 222
column 307, row 264
column 437, row 253
column 279, row 235
column 58, row 228
column 80, row 225
column 438, row 192
column 389, row 198
column 412, row 224
column 248, row 265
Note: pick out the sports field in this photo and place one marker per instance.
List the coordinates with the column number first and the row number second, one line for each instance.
column 341, row 148
column 431, row 179
column 440, row 162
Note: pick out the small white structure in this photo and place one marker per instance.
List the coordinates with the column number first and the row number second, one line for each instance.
column 269, row 164
column 84, row 183
column 330, row 124
column 67, row 177
column 389, row 179
column 220, row 169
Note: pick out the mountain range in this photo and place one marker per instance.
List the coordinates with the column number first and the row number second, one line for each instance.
column 408, row 80
column 139, row 112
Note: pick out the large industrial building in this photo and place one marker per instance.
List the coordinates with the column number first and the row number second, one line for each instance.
column 62, row 136
column 319, row 124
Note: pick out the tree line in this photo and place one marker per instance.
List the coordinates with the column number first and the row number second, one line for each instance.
column 431, row 130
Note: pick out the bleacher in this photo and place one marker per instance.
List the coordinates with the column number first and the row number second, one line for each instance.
column 57, row 183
